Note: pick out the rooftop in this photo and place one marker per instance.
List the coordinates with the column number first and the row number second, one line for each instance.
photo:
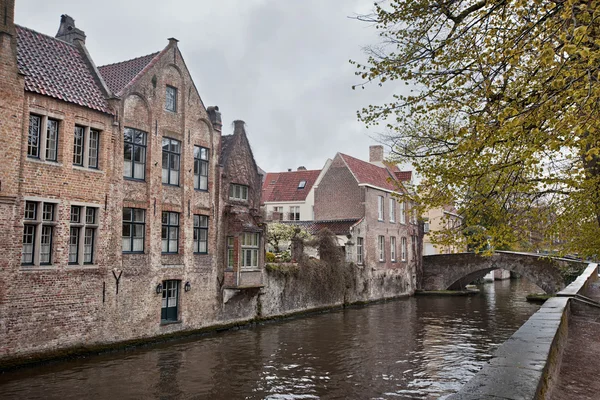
column 118, row 75
column 288, row 186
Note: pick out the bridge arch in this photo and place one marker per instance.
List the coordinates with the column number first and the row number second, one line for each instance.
column 441, row 271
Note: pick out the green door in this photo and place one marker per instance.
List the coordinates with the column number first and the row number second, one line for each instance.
column 170, row 296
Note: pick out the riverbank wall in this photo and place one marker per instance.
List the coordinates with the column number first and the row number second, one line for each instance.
column 527, row 365
column 289, row 289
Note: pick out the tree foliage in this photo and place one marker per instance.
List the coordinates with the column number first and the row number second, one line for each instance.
column 279, row 233
column 503, row 112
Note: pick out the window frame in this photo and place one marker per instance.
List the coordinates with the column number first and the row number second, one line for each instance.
column 82, row 226
column 38, row 223
column 242, row 189
column 170, row 226
column 135, row 145
column 403, row 249
column 198, row 163
column 250, row 248
column 43, row 138
column 380, row 208
column 174, row 92
column 393, row 248
column 230, row 252
column 294, row 213
column 359, row 250
column 392, row 209
column 403, row 212
column 171, row 156
column 381, row 247
column 198, row 229
column 133, row 223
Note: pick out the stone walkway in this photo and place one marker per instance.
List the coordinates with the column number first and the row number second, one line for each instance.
column 579, row 376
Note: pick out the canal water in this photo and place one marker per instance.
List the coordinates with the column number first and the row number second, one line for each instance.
column 415, row 348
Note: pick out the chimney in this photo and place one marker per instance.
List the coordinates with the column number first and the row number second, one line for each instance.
column 376, row 153
column 67, row 31
column 239, row 127
column 215, row 117
column 289, row 170
column 7, row 17
column 301, row 168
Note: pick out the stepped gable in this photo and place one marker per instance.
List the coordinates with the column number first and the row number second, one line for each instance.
column 283, row 186
column 120, row 75
column 57, row 69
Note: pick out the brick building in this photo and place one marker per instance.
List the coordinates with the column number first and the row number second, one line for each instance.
column 111, row 196
column 387, row 234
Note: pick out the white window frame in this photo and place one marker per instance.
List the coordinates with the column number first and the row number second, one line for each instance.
column 249, row 254
column 380, row 208
column 359, row 250
column 404, row 251
column 238, row 192
column 294, row 213
column 128, row 242
column 393, row 248
column 403, row 212
column 139, row 141
column 381, row 247
column 392, row 207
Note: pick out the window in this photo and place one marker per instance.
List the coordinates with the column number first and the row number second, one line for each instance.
column 170, row 232
column 134, row 154
column 134, row 230
column 238, row 192
column 393, row 248
column 381, row 247
column 380, row 208
column 82, row 234
column 392, row 210
column 403, row 250
column 413, row 245
column 171, row 99
column 230, row 252
column 42, row 141
column 200, row 168
column 302, row 185
column 280, row 211
column 413, row 214
column 403, row 212
column 359, row 250
column 200, row 234
column 295, row 213
column 171, row 149
column 170, row 297
column 39, row 221
column 250, row 243
column 85, row 141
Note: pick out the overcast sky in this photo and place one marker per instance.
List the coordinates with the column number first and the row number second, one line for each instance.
column 279, row 65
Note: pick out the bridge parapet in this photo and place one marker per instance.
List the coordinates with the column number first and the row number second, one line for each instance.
column 442, row 271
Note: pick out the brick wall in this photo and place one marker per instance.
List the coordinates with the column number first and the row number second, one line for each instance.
column 338, row 195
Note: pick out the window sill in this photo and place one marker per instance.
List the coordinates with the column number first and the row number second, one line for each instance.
column 44, row 162
column 84, row 266
column 85, row 169
column 126, row 178
column 253, row 269
column 128, row 253
column 172, row 266
column 34, row 268
column 165, row 323
column 200, row 254
column 171, row 185
column 201, row 190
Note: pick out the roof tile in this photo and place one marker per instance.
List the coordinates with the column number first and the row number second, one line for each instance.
column 369, row 174
column 284, row 186
column 57, row 69
column 118, row 75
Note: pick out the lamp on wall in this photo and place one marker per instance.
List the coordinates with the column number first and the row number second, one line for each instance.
column 159, row 288
column 187, row 287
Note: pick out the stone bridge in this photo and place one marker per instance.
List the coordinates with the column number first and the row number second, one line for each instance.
column 453, row 271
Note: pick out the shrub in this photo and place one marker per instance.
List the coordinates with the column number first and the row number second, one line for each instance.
column 270, row 257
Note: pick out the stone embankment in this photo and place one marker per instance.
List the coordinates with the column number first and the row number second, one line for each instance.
column 544, row 358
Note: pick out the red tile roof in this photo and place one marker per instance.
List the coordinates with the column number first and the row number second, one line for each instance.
column 57, row 69
column 283, row 186
column 369, row 174
column 404, row 176
column 119, row 75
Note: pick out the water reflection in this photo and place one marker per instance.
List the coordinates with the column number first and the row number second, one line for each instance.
column 416, row 348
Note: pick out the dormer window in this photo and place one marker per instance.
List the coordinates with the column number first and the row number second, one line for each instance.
column 302, row 184
column 171, row 99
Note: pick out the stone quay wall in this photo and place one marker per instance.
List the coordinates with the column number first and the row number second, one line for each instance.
column 526, row 366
